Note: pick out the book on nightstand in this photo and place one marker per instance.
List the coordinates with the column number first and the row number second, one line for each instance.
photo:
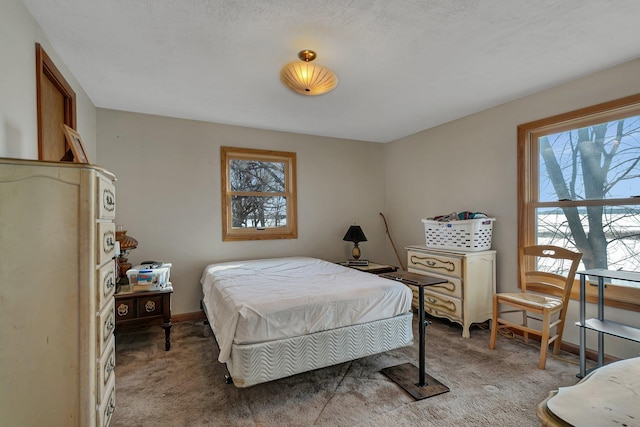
column 357, row 262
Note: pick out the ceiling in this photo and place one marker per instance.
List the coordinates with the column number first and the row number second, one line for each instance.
column 403, row 65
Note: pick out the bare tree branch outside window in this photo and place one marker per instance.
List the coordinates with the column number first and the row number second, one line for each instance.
column 259, row 196
column 589, row 181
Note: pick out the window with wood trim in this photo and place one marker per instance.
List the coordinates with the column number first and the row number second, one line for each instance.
column 579, row 188
column 258, row 194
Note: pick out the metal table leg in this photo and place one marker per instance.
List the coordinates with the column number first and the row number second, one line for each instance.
column 583, row 330
column 404, row 375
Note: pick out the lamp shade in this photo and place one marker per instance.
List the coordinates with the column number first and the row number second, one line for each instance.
column 307, row 78
column 355, row 234
column 126, row 242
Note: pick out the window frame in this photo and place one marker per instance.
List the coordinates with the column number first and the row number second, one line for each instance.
column 290, row 231
column 619, row 297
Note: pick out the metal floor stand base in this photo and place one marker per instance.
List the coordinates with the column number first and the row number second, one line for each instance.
column 405, row 376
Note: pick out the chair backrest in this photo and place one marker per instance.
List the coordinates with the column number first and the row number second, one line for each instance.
column 554, row 284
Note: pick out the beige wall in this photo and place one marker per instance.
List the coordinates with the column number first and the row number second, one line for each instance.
column 168, row 194
column 470, row 164
column 19, row 33
column 168, row 189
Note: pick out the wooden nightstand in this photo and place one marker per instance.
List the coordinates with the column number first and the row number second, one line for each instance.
column 144, row 308
column 372, row 268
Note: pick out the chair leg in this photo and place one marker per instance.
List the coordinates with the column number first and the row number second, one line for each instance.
column 494, row 323
column 544, row 341
column 525, row 323
column 558, row 342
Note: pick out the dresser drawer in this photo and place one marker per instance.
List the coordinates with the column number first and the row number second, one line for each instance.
column 108, row 405
column 125, row 309
column 442, row 306
column 106, row 198
column 453, row 286
column 149, row 306
column 106, row 283
column 435, row 263
column 106, row 241
column 139, row 307
column 106, row 326
column 105, row 369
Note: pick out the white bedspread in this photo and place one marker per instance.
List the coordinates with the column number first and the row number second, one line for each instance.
column 263, row 300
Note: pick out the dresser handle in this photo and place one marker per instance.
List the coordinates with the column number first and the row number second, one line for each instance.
column 448, row 265
column 110, row 283
column 123, row 310
column 110, row 325
column 108, row 199
column 108, row 243
column 110, row 366
column 150, row 306
column 449, row 286
column 110, row 410
column 446, row 306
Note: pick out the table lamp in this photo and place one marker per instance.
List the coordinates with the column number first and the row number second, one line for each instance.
column 355, row 235
column 126, row 244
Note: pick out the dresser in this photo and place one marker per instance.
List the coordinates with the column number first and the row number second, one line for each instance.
column 466, row 297
column 57, row 280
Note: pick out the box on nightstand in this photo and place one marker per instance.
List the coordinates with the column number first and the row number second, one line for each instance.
column 144, row 278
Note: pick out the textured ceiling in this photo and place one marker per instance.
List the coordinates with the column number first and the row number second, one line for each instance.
column 403, row 65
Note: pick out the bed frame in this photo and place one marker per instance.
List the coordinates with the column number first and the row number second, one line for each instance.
column 252, row 364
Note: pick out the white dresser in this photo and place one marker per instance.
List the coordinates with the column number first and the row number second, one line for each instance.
column 466, row 298
column 57, row 279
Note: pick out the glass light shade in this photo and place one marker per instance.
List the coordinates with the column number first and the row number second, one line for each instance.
column 307, row 78
column 126, row 242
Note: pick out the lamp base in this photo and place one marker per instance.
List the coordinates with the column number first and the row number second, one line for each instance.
column 123, row 266
column 358, row 262
column 355, row 252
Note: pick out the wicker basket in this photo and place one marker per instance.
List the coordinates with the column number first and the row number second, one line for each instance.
column 470, row 235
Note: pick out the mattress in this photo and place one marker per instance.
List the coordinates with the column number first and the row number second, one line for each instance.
column 261, row 301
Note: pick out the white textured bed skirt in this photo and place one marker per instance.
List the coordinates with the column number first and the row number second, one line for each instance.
column 252, row 364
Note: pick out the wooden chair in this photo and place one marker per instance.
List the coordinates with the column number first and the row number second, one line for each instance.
column 543, row 294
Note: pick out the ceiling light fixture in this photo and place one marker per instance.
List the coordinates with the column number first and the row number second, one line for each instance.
column 306, row 78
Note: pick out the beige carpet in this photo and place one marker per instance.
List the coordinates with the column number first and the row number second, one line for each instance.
column 185, row 386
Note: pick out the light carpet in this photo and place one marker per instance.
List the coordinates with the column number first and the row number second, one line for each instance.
column 185, row 386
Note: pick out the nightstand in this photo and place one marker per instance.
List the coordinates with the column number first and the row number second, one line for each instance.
column 372, row 268
column 144, row 308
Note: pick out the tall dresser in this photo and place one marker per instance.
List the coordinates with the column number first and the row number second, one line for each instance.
column 466, row 297
column 57, row 279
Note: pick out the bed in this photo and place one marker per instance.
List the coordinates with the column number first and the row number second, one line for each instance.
column 273, row 318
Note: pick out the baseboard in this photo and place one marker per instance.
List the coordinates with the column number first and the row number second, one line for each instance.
column 188, row 317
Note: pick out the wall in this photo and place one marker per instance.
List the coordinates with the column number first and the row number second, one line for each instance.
column 19, row 33
column 168, row 194
column 470, row 164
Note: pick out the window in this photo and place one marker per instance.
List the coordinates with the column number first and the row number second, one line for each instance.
column 258, row 194
column 579, row 188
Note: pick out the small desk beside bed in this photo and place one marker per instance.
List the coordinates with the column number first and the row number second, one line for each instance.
column 274, row 318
